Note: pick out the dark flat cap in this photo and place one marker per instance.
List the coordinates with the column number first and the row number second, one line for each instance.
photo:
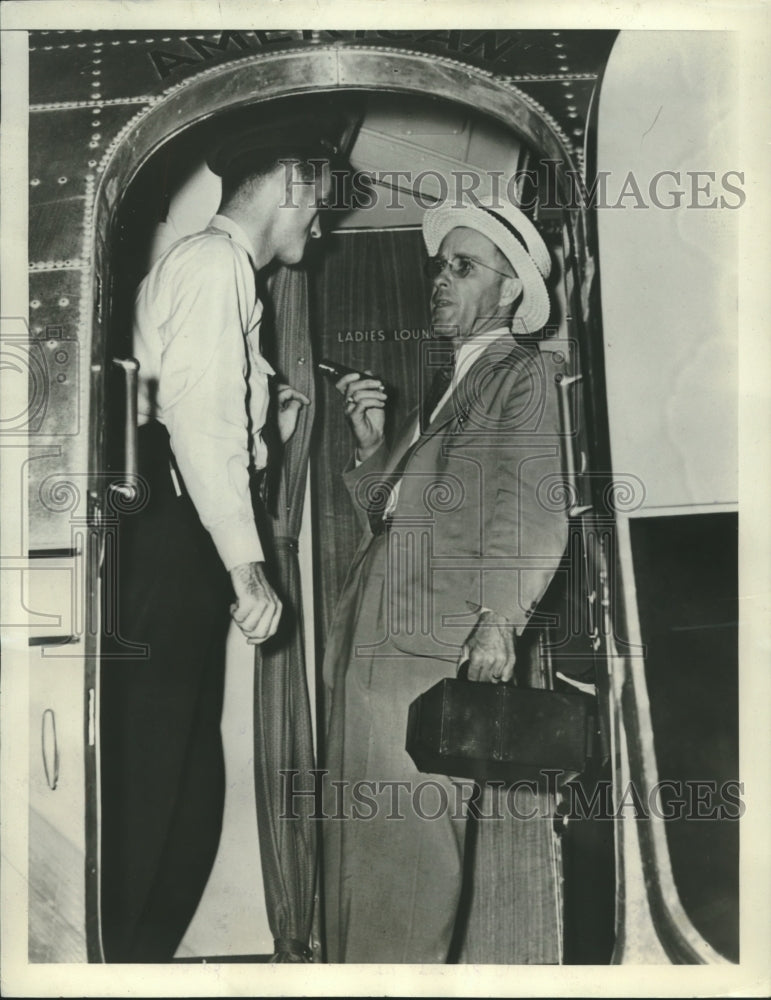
column 291, row 135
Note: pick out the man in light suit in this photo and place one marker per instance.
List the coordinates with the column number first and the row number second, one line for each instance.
column 460, row 543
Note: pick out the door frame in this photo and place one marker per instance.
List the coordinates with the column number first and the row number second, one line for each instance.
column 338, row 67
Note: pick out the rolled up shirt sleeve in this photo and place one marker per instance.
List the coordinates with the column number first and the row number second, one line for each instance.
column 202, row 393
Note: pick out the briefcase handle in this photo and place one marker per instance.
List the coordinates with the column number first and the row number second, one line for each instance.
column 462, row 674
column 462, row 668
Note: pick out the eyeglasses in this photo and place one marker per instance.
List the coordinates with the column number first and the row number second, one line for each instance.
column 460, row 267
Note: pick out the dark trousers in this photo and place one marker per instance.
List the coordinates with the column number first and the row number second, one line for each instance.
column 162, row 771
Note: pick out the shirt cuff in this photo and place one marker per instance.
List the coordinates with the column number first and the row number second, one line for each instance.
column 237, row 542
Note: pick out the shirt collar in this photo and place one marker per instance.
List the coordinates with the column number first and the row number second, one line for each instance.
column 234, row 231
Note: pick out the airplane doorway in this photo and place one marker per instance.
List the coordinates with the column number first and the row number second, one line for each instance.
column 378, row 264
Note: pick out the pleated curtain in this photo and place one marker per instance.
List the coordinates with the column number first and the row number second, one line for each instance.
column 283, row 736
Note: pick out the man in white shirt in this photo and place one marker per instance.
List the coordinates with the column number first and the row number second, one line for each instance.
column 459, row 546
column 193, row 553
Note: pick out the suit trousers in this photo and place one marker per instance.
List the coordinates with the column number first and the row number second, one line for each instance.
column 161, row 758
column 394, row 837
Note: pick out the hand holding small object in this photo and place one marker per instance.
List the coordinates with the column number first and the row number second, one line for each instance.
column 290, row 402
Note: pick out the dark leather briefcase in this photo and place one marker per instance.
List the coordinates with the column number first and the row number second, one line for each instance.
column 468, row 729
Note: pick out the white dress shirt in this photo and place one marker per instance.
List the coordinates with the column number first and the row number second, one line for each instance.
column 197, row 340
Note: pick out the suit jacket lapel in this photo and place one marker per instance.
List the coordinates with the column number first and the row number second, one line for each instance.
column 450, row 409
column 403, row 442
column 400, row 454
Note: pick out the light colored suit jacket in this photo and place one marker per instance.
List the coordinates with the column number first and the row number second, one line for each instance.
column 480, row 519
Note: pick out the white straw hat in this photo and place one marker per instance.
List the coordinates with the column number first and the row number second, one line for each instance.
column 517, row 239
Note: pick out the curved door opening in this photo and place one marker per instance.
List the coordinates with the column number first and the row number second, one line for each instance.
column 368, row 309
column 486, row 125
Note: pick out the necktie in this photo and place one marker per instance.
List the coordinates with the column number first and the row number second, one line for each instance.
column 438, row 385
